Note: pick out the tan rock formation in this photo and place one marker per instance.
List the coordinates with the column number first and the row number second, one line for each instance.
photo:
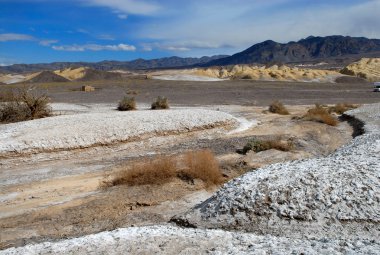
column 366, row 68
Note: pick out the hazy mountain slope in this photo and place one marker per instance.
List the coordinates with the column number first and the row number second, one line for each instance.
column 171, row 62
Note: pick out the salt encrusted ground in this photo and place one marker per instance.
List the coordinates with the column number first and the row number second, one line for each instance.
column 103, row 128
column 326, row 205
column 335, row 197
column 173, row 240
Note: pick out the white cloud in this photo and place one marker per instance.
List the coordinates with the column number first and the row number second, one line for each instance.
column 15, row 37
column 47, row 42
column 182, row 46
column 141, row 7
column 240, row 23
column 122, row 16
column 95, row 47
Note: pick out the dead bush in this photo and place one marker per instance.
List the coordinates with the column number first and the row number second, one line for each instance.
column 320, row 114
column 203, row 165
column 155, row 171
column 278, row 107
column 162, row 169
column 341, row 108
column 263, row 145
column 127, row 104
column 160, row 103
column 25, row 105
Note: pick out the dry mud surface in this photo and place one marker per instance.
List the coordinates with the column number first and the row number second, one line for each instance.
column 351, row 172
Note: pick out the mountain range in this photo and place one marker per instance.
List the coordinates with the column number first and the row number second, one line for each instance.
column 334, row 49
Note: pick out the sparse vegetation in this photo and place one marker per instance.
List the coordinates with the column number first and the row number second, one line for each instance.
column 127, row 104
column 160, row 103
column 320, row 114
column 263, row 145
column 202, row 165
column 162, row 169
column 25, row 105
column 341, row 108
column 278, row 107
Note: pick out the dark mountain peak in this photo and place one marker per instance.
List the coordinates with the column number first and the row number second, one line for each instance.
column 312, row 48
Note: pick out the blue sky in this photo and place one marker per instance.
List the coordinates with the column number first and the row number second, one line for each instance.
column 36, row 31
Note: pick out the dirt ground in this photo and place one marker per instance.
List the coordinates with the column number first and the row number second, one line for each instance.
column 231, row 92
column 49, row 196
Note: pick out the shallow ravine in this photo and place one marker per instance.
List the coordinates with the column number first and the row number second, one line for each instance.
column 48, row 196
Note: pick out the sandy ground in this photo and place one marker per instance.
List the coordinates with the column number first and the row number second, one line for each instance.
column 53, row 195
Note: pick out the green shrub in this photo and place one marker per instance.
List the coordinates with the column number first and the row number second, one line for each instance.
column 263, row 145
column 160, row 103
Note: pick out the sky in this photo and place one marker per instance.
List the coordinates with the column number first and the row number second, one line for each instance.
column 42, row 31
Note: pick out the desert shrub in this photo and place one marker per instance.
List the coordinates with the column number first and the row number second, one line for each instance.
column 160, row 103
column 202, row 165
column 341, row 108
column 25, row 105
column 263, row 145
column 6, row 96
column 127, row 104
column 278, row 107
column 155, row 171
column 320, row 114
column 162, row 169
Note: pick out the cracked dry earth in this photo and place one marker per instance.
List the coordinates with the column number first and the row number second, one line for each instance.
column 52, row 195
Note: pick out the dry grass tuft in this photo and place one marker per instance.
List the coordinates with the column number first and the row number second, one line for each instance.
column 263, row 145
column 341, row 108
column 162, row 169
column 160, row 103
column 156, row 171
column 203, row 165
column 320, row 114
column 278, row 107
column 25, row 105
column 127, row 104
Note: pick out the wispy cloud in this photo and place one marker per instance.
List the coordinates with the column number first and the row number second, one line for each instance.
column 15, row 37
column 122, row 16
column 141, row 7
column 105, row 37
column 241, row 23
column 47, row 42
column 182, row 46
column 95, row 47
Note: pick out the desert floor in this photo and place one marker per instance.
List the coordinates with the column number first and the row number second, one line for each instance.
column 57, row 194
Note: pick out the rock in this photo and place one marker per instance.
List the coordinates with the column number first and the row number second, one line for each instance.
column 87, row 88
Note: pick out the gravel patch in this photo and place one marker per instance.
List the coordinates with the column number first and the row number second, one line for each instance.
column 337, row 196
column 102, row 128
column 172, row 240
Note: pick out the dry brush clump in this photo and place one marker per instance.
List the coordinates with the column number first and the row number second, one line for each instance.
column 257, row 145
column 320, row 114
column 341, row 108
column 278, row 107
column 160, row 103
column 127, row 104
column 162, row 169
column 25, row 105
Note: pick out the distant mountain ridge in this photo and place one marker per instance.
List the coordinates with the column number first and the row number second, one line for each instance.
column 334, row 49
column 138, row 64
column 305, row 50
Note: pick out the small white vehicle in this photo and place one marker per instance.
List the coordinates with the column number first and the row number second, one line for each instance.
column 376, row 87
